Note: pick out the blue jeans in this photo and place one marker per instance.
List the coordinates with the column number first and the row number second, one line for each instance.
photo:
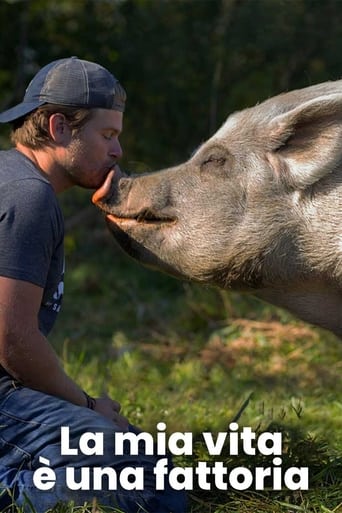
column 30, row 425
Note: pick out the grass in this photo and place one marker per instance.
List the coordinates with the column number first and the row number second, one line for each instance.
column 191, row 356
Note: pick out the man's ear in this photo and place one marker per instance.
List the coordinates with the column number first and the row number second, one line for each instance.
column 307, row 141
column 59, row 129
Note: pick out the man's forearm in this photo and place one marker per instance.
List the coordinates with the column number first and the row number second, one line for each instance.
column 32, row 361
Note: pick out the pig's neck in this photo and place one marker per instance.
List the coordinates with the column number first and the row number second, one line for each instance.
column 315, row 303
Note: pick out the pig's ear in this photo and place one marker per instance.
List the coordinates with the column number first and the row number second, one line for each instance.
column 307, row 141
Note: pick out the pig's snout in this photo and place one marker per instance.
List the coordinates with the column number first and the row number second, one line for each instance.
column 104, row 190
column 113, row 192
column 135, row 198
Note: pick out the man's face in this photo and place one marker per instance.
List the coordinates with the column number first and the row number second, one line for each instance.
column 94, row 149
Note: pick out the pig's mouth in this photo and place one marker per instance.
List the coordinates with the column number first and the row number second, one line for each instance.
column 146, row 217
column 141, row 236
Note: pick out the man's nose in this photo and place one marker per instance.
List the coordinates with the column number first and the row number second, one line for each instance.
column 116, row 150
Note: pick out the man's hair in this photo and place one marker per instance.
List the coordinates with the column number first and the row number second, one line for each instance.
column 33, row 130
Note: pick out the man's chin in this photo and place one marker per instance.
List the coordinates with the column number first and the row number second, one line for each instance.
column 90, row 184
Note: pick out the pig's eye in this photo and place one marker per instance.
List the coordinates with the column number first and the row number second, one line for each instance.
column 213, row 160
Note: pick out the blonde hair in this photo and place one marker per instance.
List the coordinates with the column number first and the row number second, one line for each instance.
column 33, row 130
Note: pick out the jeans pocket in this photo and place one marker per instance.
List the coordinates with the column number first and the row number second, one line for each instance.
column 12, row 456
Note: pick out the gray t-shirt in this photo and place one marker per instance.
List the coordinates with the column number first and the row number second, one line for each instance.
column 31, row 232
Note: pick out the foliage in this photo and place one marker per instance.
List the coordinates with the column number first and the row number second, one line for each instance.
column 185, row 64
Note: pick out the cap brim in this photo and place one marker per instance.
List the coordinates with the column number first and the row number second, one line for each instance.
column 19, row 111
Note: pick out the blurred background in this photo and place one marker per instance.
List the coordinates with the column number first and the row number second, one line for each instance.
column 186, row 64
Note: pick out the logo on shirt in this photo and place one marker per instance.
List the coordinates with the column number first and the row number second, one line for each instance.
column 57, row 297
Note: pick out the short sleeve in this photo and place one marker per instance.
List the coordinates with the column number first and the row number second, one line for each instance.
column 31, row 228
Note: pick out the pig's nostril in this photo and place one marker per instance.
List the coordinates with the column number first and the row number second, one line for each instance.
column 124, row 184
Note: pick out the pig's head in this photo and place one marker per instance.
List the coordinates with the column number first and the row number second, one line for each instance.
column 257, row 207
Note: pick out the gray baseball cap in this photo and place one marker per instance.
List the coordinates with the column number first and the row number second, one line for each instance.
column 71, row 82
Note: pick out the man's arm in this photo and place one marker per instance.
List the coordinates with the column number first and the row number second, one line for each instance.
column 28, row 356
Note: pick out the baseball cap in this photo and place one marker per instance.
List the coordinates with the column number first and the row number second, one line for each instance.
column 73, row 82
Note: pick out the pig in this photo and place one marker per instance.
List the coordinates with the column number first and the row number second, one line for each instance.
column 257, row 208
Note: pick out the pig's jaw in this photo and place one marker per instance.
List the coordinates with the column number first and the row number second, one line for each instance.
column 159, row 245
column 142, row 241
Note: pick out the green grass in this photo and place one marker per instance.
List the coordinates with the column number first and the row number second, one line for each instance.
column 190, row 356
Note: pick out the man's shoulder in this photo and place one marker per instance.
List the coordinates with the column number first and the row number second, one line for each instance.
column 14, row 166
column 20, row 179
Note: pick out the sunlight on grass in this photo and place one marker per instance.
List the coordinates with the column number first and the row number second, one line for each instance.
column 190, row 356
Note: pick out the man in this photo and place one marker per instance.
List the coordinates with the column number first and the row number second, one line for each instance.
column 66, row 133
